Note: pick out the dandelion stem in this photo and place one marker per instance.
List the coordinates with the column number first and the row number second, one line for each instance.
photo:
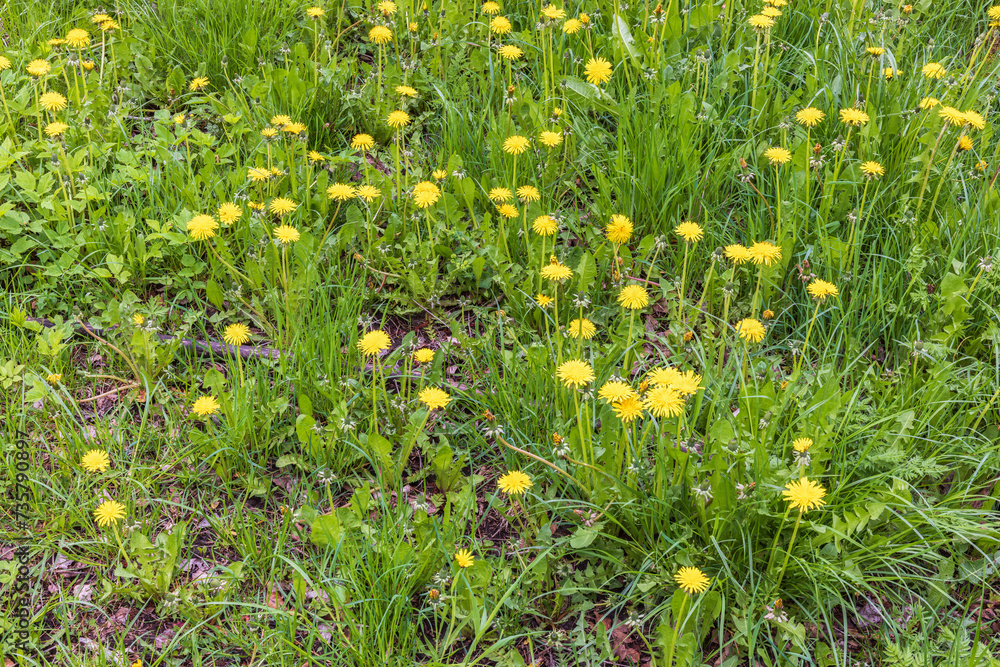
column 676, row 633
column 791, row 543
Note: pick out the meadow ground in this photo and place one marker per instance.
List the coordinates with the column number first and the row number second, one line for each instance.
column 500, row 333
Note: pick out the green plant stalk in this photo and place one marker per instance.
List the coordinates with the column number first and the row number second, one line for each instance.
column 868, row 85
column 38, row 110
column 316, row 52
column 725, row 322
column 944, row 176
column 680, row 297
column 777, row 535
column 856, row 224
column 628, row 341
column 756, row 291
column 805, row 345
column 377, row 368
column 808, row 178
column 777, row 197
column 706, row 290
column 828, row 196
column 788, row 553
column 6, row 110
column 677, row 627
column 927, row 172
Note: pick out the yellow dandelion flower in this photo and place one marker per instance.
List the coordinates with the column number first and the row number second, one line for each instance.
column 528, row 193
column 406, row 91
column 543, row 301
column 804, row 494
column 95, row 460
column 664, row 402
column 689, row 231
column 424, row 355
column 500, row 25
column 315, row 12
column 952, row 116
column 202, row 227
column 78, row 38
column 380, row 35
column 691, row 580
column 514, row 483
column 205, row 406
column 434, row 398
column 853, row 116
column 464, row 559
column 582, row 328
column 374, row 342
column 615, row 391
column 575, row 373
column 553, row 13
column 369, row 193
column 499, row 194
column 751, row 330
column 619, row 229
column 258, row 175
column 387, row 7
column 229, row 213
column 398, row 119
column 778, row 155
column 687, row 383
column 510, row 52
column 975, row 119
column 738, row 254
column 426, row 194
column 286, row 234
column 872, row 169
column 802, row 445
column 507, row 210
column 545, row 225
column 236, row 334
column 52, row 101
column 933, row 70
column 598, row 71
column 516, row 144
column 556, row 271
column 39, row 67
column 760, row 22
column 929, row 103
column 764, row 252
column 550, row 139
column 341, row 192
column 54, row 378
column 821, row 289
column 198, row 83
column 490, row 8
column 664, row 377
column 629, row 409
column 282, row 206
column 56, row 129
column 109, row 512
column 572, row 26
column 365, row 141
column 633, row 297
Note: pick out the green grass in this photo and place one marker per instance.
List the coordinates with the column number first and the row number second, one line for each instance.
column 314, row 517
